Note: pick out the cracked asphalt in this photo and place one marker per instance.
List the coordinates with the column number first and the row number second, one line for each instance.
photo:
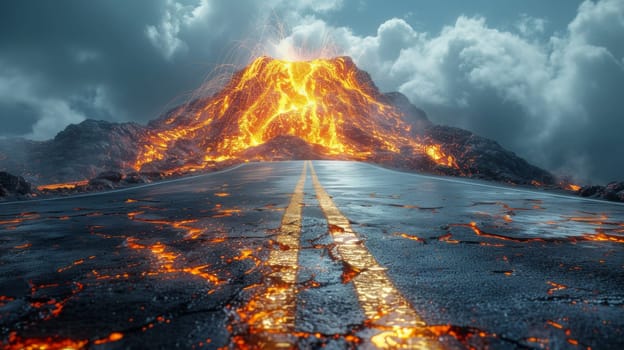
column 262, row 256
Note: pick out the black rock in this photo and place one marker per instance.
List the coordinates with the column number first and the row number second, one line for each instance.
column 78, row 152
column 100, row 184
column 615, row 186
column 614, row 191
column 611, row 191
column 11, row 185
column 152, row 175
column 135, row 178
column 483, row 158
column 591, row 191
column 285, row 148
column 112, row 176
column 411, row 114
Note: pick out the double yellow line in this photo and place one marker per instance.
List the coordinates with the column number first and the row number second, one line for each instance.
column 393, row 322
column 270, row 316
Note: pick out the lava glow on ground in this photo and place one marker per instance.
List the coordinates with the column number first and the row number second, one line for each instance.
column 312, row 254
column 324, row 102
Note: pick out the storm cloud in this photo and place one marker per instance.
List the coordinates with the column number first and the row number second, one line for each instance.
column 550, row 95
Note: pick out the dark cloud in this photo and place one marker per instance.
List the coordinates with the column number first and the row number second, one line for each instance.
column 17, row 117
column 97, row 59
column 67, row 51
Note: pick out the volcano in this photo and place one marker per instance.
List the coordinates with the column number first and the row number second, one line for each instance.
column 274, row 110
column 329, row 105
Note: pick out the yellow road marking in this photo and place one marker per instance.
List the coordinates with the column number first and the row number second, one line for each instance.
column 271, row 315
column 398, row 325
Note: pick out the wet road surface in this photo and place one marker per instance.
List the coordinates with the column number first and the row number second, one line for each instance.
column 311, row 254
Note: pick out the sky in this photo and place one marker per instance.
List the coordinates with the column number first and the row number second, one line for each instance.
column 543, row 78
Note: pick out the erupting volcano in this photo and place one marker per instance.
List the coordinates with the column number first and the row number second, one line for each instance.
column 330, row 105
column 273, row 110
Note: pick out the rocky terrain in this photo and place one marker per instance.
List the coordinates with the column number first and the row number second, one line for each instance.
column 613, row 191
column 12, row 186
column 79, row 152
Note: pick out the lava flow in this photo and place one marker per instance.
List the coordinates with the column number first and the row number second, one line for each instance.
column 61, row 186
column 324, row 108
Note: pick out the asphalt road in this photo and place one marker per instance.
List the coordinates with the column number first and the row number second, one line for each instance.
column 311, row 254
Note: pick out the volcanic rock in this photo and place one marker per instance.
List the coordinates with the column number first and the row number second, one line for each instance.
column 483, row 158
column 615, row 186
column 100, row 184
column 613, row 191
column 411, row 114
column 11, row 185
column 105, row 180
column 594, row 191
column 285, row 147
column 112, row 176
column 79, row 152
column 152, row 175
column 135, row 178
column 94, row 146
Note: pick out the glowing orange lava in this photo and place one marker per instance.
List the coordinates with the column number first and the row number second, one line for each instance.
column 50, row 343
column 601, row 236
column 168, row 262
column 63, row 186
column 412, row 237
column 113, row 337
column 327, row 103
column 572, row 187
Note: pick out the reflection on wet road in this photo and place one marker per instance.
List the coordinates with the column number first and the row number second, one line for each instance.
column 311, row 254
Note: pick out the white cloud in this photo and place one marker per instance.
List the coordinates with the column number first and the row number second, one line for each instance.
column 530, row 26
column 164, row 36
column 204, row 22
column 311, row 38
column 600, row 24
column 319, row 5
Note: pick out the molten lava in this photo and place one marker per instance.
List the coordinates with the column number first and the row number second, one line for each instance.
column 63, row 186
column 330, row 105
